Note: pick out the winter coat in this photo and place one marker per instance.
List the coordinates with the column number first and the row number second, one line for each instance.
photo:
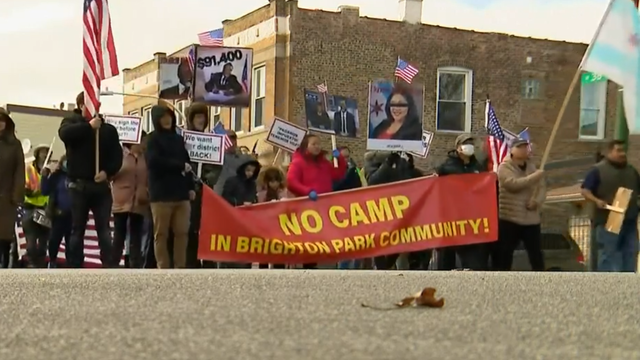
column 275, row 173
column 238, row 189
column 313, row 173
column 54, row 185
column 12, row 182
column 221, row 173
column 210, row 172
column 129, row 186
column 378, row 172
column 453, row 165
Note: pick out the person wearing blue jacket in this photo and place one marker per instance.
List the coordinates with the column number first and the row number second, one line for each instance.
column 54, row 185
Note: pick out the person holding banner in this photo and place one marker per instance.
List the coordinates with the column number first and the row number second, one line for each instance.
column 311, row 173
column 12, row 185
column 462, row 160
column 130, row 203
column 171, row 187
column 34, row 221
column 85, row 142
column 271, row 187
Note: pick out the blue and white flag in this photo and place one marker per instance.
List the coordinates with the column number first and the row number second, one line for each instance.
column 614, row 53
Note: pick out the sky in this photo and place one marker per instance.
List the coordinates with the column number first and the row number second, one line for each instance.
column 42, row 39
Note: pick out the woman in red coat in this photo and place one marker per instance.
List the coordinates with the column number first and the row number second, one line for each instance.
column 311, row 173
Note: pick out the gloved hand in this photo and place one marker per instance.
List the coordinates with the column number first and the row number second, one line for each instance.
column 336, row 153
column 393, row 159
column 313, row 195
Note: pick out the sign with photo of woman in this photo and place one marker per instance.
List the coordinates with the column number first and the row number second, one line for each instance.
column 222, row 76
column 395, row 116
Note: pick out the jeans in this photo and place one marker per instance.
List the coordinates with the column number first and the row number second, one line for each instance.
column 618, row 252
column 148, row 252
column 60, row 229
column 350, row 264
column 509, row 236
column 132, row 224
column 85, row 197
column 37, row 237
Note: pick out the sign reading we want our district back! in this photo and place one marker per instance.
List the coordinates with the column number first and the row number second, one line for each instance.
column 402, row 217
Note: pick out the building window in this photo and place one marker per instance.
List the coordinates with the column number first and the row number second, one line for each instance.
column 147, row 123
column 530, row 89
column 593, row 103
column 454, row 99
column 214, row 114
column 258, row 93
column 236, row 119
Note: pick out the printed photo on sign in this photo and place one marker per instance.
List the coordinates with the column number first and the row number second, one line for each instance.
column 331, row 113
column 175, row 77
column 204, row 147
column 395, row 116
column 223, row 76
column 285, row 135
column 427, row 137
column 129, row 127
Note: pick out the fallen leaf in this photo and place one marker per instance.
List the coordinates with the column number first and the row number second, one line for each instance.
column 425, row 298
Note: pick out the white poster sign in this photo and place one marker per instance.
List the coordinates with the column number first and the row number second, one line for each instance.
column 427, row 137
column 129, row 127
column 285, row 135
column 204, row 147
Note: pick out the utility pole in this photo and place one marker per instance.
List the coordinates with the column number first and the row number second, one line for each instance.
column 622, row 130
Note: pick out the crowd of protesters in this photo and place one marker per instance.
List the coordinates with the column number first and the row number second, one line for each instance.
column 152, row 192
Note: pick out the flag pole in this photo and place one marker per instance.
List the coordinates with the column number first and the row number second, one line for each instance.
column 334, row 142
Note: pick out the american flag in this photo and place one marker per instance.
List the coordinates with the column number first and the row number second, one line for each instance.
column 91, row 248
column 322, row 88
column 405, row 71
column 99, row 52
column 497, row 144
column 211, row 38
column 191, row 58
column 220, row 130
column 245, row 76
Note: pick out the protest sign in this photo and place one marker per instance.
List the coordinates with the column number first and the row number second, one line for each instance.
column 129, row 127
column 285, row 135
column 392, row 104
column 401, row 217
column 204, row 147
column 175, row 77
column 427, row 137
column 333, row 114
column 222, row 76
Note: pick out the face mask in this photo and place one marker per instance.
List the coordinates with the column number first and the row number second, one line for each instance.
column 467, row 150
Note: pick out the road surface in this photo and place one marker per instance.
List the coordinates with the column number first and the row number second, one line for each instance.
column 315, row 315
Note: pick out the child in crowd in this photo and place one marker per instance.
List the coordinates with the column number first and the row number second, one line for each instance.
column 54, row 185
column 241, row 189
column 272, row 187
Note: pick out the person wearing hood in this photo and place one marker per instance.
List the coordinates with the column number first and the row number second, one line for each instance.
column 463, row 161
column 35, row 203
column 311, row 173
column 233, row 158
column 171, row 187
column 12, row 185
column 54, row 185
column 90, row 191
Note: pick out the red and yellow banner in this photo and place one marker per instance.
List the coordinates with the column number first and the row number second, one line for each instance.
column 378, row 220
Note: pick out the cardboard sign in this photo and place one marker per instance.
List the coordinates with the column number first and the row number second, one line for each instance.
column 129, row 127
column 285, row 135
column 618, row 209
column 427, row 137
column 204, row 148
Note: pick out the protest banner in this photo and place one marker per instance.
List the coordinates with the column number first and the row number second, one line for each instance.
column 406, row 216
column 129, row 127
column 204, row 147
column 395, row 103
column 285, row 135
column 222, row 76
column 427, row 137
column 175, row 77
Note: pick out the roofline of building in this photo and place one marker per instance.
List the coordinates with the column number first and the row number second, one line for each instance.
column 226, row 21
column 36, row 110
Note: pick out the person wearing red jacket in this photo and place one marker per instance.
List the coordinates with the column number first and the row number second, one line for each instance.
column 311, row 173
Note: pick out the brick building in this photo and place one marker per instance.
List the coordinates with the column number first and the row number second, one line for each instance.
column 297, row 48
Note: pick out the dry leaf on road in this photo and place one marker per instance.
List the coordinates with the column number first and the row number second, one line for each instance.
column 425, row 298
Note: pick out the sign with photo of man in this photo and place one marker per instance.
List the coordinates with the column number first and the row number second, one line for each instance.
column 223, row 76
column 175, row 76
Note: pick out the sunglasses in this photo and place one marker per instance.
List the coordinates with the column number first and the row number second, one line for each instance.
column 402, row 105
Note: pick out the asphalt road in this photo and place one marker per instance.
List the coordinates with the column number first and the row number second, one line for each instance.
column 309, row 315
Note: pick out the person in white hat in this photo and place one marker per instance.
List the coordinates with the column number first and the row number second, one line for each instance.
column 36, row 232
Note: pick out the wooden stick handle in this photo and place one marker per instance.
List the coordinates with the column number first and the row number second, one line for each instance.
column 97, row 151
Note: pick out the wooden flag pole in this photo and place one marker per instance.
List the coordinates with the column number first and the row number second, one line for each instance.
column 97, row 151
column 334, row 142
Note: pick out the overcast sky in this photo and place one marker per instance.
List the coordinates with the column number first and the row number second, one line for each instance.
column 41, row 39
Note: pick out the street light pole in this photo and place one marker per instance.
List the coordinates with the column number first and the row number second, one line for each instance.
column 112, row 93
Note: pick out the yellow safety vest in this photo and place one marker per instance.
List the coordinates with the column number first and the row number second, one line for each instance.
column 32, row 182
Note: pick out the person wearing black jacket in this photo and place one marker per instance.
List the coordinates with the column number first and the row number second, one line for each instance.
column 463, row 161
column 385, row 168
column 90, row 191
column 171, row 187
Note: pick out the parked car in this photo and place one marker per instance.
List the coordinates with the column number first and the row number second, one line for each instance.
column 561, row 253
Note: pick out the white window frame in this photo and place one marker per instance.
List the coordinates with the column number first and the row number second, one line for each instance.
column 147, row 122
column 468, row 93
column 256, row 94
column 602, row 114
column 534, row 85
column 213, row 112
column 232, row 120
column 134, row 113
